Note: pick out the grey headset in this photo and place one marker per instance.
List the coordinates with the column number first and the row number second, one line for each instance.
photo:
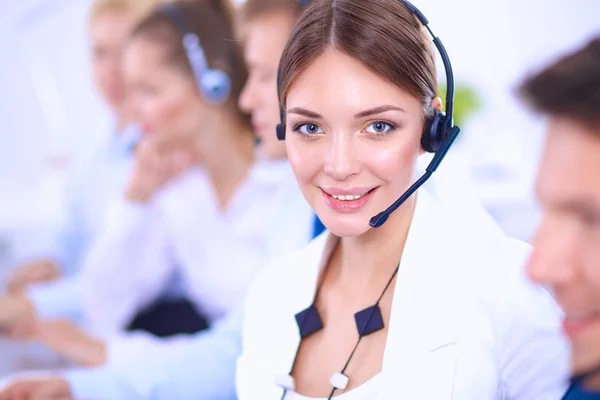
column 214, row 84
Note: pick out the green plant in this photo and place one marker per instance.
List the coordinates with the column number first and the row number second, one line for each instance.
column 466, row 102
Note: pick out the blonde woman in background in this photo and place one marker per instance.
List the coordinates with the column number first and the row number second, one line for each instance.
column 109, row 24
column 47, row 287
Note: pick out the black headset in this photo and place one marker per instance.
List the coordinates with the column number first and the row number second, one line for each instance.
column 214, row 84
column 439, row 131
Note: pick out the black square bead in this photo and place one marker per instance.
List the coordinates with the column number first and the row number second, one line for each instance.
column 369, row 320
column 309, row 321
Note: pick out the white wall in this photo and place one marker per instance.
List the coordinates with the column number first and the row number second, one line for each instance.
column 493, row 44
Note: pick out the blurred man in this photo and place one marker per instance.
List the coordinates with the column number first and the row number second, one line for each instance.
column 567, row 244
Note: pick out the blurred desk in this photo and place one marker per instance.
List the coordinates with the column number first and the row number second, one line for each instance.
column 22, row 213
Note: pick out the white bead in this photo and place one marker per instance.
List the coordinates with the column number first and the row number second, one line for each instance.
column 285, row 381
column 339, row 381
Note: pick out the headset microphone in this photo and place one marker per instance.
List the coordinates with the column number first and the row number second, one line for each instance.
column 380, row 218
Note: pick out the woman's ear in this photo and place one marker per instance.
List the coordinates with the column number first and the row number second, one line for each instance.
column 436, row 103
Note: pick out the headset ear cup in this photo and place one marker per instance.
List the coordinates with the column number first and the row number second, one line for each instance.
column 215, row 86
column 280, row 128
column 433, row 133
column 426, row 136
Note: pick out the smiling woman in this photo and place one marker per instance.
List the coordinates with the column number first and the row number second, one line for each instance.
column 386, row 124
column 381, row 139
column 430, row 305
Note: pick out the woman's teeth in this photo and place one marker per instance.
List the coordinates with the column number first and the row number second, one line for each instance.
column 347, row 197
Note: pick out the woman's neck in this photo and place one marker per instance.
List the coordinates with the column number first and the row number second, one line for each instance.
column 228, row 155
column 373, row 256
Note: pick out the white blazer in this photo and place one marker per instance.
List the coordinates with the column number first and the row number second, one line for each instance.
column 465, row 323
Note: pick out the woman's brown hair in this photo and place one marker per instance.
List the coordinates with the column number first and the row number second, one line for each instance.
column 134, row 7
column 253, row 9
column 256, row 9
column 383, row 35
column 212, row 22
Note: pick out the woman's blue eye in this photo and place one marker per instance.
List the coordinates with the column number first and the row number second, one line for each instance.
column 309, row 129
column 379, row 127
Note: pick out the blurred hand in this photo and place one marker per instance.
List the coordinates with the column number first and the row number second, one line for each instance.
column 23, row 329
column 157, row 161
column 14, row 309
column 68, row 340
column 40, row 389
column 30, row 273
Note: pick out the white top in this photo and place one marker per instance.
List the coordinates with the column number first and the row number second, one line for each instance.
column 87, row 198
column 217, row 253
column 465, row 323
column 366, row 391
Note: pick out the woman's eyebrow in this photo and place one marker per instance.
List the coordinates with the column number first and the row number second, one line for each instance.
column 377, row 110
column 371, row 111
column 304, row 112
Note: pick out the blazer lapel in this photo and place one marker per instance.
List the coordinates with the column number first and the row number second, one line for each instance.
column 420, row 358
column 304, row 289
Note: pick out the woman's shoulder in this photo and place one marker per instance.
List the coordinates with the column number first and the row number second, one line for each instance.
column 495, row 262
column 292, row 270
column 493, row 277
column 285, row 285
column 486, row 263
column 478, row 239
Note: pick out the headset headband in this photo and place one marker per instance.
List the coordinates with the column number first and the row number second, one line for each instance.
column 191, row 41
column 449, row 106
column 445, row 60
column 214, row 84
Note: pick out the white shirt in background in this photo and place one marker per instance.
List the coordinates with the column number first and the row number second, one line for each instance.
column 216, row 252
column 88, row 197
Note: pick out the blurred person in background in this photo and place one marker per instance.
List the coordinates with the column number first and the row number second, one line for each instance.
column 109, row 24
column 47, row 286
column 264, row 27
column 201, row 366
column 217, row 223
column 566, row 254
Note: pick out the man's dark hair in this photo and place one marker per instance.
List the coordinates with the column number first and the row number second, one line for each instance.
column 568, row 88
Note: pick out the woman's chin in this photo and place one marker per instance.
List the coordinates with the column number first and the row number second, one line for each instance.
column 347, row 226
